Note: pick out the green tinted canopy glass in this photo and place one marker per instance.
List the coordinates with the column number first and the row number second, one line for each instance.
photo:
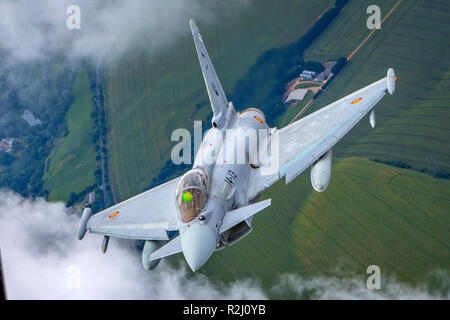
column 187, row 196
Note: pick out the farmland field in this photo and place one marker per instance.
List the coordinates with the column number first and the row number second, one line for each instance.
column 307, row 85
column 351, row 225
column 371, row 213
column 72, row 163
column 412, row 125
column 151, row 92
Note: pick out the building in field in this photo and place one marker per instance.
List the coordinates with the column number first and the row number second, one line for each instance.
column 296, row 95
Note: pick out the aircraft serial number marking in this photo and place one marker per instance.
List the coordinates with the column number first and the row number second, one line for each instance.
column 230, row 178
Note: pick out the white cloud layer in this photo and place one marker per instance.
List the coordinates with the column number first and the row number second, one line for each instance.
column 43, row 260
column 33, row 29
column 353, row 287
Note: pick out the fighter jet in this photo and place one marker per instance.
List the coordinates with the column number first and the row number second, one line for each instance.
column 212, row 205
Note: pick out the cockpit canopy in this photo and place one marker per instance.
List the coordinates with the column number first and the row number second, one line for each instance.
column 192, row 194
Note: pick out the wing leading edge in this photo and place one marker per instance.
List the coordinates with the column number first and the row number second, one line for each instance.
column 306, row 140
column 148, row 216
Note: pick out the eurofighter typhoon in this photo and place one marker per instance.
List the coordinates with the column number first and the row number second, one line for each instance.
column 212, row 205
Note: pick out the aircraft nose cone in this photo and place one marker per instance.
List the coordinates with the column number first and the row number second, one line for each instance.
column 198, row 243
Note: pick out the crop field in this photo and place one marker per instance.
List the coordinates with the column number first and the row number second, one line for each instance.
column 72, row 163
column 371, row 213
column 307, row 85
column 412, row 125
column 351, row 225
column 153, row 91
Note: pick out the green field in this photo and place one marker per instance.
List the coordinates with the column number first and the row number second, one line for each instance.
column 351, row 225
column 150, row 92
column 71, row 165
column 371, row 213
column 307, row 85
column 412, row 125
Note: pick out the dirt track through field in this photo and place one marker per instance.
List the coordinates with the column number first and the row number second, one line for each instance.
column 373, row 31
column 301, row 112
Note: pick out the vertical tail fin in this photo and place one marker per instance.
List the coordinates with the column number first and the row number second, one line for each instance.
column 217, row 97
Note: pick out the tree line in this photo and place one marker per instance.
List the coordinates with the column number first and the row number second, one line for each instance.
column 264, row 84
column 45, row 88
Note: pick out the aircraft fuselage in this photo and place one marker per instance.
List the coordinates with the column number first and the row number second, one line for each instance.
column 226, row 157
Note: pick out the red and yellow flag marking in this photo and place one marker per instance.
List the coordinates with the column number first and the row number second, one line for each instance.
column 356, row 100
column 112, row 215
column 258, row 118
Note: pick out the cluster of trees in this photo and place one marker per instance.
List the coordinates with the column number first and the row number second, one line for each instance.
column 41, row 86
column 314, row 66
column 401, row 164
column 78, row 197
column 6, row 158
column 342, row 61
column 394, row 163
column 264, row 84
column 45, row 88
column 98, row 137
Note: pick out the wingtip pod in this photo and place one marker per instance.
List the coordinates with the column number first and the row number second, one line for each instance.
column 87, row 213
column 391, row 78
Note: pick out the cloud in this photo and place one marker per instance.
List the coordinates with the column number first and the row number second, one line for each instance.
column 354, row 287
column 35, row 42
column 43, row 260
column 32, row 30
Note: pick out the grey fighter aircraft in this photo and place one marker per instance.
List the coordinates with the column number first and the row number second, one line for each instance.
column 212, row 205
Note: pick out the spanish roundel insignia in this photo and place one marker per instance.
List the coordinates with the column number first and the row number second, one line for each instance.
column 112, row 215
column 258, row 118
column 356, row 100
